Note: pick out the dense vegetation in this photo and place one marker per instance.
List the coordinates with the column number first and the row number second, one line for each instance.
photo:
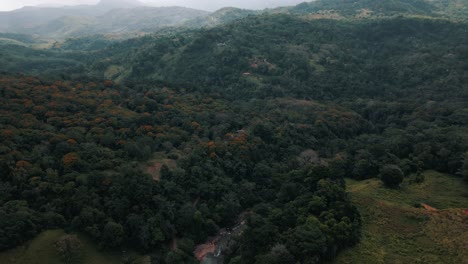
column 319, row 59
column 68, row 148
column 262, row 119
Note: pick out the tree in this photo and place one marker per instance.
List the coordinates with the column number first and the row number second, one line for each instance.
column 464, row 169
column 70, row 248
column 18, row 223
column 391, row 175
column 308, row 156
column 113, row 235
column 176, row 256
column 365, row 169
column 310, row 242
column 279, row 254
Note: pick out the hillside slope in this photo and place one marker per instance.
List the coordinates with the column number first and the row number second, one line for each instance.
column 220, row 17
column 276, row 55
column 104, row 17
column 118, row 21
column 395, row 231
column 457, row 9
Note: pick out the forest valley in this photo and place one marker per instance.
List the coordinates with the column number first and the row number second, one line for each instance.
column 262, row 117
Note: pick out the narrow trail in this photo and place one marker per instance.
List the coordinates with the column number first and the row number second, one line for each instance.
column 173, row 244
column 429, row 208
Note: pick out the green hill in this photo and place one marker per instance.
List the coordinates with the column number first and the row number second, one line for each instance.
column 277, row 55
column 118, row 21
column 220, row 17
column 285, row 122
column 395, row 231
column 381, row 8
column 351, row 8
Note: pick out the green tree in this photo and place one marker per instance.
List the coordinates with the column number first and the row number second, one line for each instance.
column 391, row 175
column 310, row 243
column 113, row 235
column 18, row 223
column 464, row 169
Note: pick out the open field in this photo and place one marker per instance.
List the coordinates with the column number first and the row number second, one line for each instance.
column 42, row 250
column 396, row 231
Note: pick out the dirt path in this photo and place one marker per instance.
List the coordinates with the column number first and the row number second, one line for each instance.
column 429, row 208
column 173, row 244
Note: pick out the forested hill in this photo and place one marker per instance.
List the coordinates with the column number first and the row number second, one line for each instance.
column 116, row 17
column 118, row 22
column 456, row 9
column 121, row 18
column 157, row 143
column 220, row 17
column 282, row 55
column 372, row 7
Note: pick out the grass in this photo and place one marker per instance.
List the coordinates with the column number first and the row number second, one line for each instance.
column 395, row 231
column 42, row 250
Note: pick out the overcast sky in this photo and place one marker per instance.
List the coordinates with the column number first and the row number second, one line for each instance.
column 6, row 5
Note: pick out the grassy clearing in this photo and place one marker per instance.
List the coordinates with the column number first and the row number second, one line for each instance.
column 39, row 250
column 42, row 250
column 394, row 231
column 153, row 166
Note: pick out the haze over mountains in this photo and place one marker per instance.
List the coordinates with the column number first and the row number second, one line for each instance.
column 107, row 16
column 121, row 17
column 208, row 5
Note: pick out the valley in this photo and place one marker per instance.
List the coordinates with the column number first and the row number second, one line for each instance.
column 332, row 131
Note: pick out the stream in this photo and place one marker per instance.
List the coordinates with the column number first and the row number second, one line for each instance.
column 212, row 251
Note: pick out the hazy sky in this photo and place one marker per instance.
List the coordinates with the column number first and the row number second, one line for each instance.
column 6, row 5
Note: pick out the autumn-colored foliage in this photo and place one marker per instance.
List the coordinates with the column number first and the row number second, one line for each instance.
column 22, row 164
column 70, row 159
column 71, row 141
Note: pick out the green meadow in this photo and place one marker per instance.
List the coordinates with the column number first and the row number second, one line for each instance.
column 396, row 229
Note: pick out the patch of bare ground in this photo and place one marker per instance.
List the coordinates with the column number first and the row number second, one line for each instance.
column 204, row 249
column 153, row 167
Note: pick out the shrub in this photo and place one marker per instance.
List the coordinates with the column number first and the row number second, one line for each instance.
column 391, row 175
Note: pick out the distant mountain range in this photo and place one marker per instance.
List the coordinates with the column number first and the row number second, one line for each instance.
column 122, row 17
column 117, row 21
column 109, row 16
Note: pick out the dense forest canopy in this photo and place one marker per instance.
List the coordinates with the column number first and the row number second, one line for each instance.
column 156, row 143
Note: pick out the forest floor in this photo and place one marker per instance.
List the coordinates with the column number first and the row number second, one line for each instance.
column 418, row 223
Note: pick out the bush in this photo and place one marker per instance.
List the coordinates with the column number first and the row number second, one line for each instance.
column 419, row 178
column 391, row 176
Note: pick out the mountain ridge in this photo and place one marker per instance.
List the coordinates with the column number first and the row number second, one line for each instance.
column 43, row 21
column 119, row 3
